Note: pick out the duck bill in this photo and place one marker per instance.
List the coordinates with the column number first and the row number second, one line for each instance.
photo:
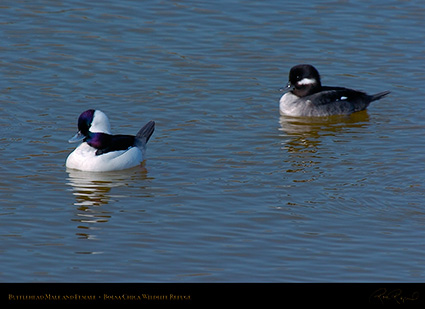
column 287, row 88
column 77, row 138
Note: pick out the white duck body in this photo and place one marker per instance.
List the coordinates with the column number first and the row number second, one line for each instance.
column 103, row 152
column 84, row 158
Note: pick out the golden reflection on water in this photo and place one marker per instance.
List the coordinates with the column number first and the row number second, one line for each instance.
column 316, row 126
column 303, row 137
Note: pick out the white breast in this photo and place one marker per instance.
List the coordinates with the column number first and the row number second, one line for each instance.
column 291, row 105
column 84, row 158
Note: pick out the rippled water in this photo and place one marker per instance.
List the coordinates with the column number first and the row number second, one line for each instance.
column 230, row 192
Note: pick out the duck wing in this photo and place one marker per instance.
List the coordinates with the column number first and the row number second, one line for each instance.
column 105, row 143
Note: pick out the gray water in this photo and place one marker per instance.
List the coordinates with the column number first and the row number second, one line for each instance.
column 230, row 191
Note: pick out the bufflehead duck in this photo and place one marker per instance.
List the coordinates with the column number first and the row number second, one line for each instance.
column 307, row 97
column 101, row 151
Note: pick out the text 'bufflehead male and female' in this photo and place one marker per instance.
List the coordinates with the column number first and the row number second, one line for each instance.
column 306, row 96
column 101, row 151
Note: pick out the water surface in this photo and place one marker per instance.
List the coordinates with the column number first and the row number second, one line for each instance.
column 230, row 191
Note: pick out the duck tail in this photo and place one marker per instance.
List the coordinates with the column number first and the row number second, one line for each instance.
column 142, row 137
column 379, row 95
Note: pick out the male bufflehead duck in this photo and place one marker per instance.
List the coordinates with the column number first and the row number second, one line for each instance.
column 103, row 152
column 307, row 97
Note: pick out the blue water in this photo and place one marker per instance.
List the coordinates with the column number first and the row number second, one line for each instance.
column 230, row 191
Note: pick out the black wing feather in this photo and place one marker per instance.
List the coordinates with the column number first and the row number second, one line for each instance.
column 105, row 143
column 334, row 94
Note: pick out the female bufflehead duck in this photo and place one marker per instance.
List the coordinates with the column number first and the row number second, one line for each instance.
column 307, row 97
column 103, row 152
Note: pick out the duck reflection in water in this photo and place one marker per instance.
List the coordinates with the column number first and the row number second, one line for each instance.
column 306, row 131
column 304, row 137
column 94, row 190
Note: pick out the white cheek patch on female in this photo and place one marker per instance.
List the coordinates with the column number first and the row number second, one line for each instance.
column 307, row 81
